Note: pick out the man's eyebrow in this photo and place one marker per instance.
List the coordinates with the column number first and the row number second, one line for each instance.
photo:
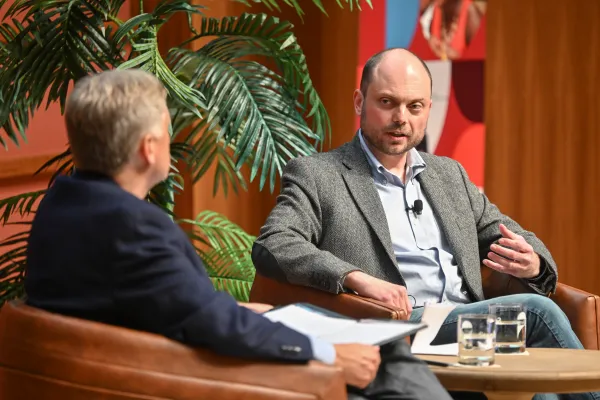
column 407, row 100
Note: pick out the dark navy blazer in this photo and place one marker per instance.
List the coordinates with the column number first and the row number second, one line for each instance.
column 97, row 252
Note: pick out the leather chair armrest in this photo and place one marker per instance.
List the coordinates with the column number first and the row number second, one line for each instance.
column 57, row 357
column 270, row 291
column 583, row 310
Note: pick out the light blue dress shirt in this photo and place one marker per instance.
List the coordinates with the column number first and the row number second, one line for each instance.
column 421, row 250
column 322, row 351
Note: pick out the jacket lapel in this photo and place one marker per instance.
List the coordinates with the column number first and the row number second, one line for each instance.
column 359, row 180
column 432, row 187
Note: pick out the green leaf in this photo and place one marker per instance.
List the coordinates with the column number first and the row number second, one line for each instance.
column 54, row 43
column 230, row 270
column 225, row 250
column 148, row 58
column 209, row 150
column 274, row 4
column 252, row 108
column 215, row 230
column 20, row 204
column 12, row 265
column 62, row 163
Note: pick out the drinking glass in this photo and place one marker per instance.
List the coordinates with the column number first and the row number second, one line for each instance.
column 476, row 339
column 511, row 324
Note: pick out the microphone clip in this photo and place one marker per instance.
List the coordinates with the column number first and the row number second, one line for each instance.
column 417, row 207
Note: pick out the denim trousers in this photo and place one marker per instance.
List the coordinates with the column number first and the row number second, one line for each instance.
column 547, row 327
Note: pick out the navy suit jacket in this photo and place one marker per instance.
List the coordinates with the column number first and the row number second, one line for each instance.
column 99, row 253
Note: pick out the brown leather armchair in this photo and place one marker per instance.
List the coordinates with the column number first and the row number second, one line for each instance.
column 45, row 356
column 582, row 308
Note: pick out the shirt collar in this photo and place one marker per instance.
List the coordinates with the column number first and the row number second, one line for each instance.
column 414, row 161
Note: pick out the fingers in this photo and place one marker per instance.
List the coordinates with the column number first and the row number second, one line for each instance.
column 495, row 266
column 507, row 266
column 399, row 298
column 407, row 303
column 507, row 253
column 373, row 360
column 518, row 244
column 507, row 232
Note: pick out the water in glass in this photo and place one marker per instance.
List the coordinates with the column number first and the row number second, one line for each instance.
column 510, row 328
column 476, row 339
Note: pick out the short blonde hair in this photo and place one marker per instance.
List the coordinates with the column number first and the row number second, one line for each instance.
column 107, row 113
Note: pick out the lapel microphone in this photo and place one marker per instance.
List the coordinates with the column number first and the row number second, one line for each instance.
column 417, row 207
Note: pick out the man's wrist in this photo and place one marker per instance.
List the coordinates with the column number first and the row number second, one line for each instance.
column 352, row 279
column 543, row 267
column 322, row 351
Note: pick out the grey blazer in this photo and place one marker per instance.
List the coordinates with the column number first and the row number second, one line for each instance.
column 329, row 221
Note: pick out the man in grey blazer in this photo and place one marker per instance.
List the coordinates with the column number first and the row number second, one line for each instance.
column 379, row 218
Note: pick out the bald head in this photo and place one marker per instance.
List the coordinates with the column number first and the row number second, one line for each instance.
column 394, row 60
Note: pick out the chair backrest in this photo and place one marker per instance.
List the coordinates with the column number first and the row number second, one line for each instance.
column 45, row 356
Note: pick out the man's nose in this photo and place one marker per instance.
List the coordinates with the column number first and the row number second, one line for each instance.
column 399, row 115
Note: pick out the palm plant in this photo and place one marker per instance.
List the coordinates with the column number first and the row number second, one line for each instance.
column 244, row 98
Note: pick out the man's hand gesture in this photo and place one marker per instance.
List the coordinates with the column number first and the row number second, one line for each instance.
column 513, row 255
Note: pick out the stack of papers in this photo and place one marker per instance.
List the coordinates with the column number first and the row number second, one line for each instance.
column 337, row 329
column 434, row 316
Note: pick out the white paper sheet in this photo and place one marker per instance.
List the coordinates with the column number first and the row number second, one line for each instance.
column 340, row 330
column 308, row 322
column 433, row 316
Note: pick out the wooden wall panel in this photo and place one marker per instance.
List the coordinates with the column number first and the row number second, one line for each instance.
column 542, row 117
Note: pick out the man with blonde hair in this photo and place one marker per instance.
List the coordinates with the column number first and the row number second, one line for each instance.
column 99, row 251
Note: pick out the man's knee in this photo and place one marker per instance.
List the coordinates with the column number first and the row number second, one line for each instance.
column 542, row 305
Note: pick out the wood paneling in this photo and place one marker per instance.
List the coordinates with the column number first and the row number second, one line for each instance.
column 23, row 167
column 542, row 118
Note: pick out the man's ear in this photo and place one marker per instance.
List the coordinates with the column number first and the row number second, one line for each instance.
column 147, row 150
column 358, row 100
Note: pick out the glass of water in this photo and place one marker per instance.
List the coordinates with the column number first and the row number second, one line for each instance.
column 511, row 323
column 476, row 339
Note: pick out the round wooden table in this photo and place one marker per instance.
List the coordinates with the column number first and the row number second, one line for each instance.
column 519, row 377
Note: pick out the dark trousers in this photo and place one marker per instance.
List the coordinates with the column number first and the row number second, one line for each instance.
column 401, row 376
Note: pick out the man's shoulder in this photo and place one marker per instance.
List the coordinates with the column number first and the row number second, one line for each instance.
column 442, row 165
column 437, row 161
column 322, row 160
column 97, row 202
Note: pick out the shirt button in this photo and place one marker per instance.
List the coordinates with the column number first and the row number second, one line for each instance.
column 384, row 181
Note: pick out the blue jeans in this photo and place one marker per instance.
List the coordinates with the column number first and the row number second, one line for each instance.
column 547, row 327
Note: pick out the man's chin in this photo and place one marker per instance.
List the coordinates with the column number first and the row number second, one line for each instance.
column 397, row 150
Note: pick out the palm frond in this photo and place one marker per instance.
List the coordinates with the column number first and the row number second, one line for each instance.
column 230, row 270
column 254, row 109
column 62, row 164
column 141, row 32
column 210, row 150
column 21, row 204
column 274, row 4
column 12, row 265
column 217, row 232
column 163, row 194
column 270, row 37
column 225, row 249
column 49, row 44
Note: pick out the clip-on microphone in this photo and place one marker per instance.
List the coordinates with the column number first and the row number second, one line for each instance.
column 417, row 207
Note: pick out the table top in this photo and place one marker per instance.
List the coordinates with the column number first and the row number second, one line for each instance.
column 542, row 370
